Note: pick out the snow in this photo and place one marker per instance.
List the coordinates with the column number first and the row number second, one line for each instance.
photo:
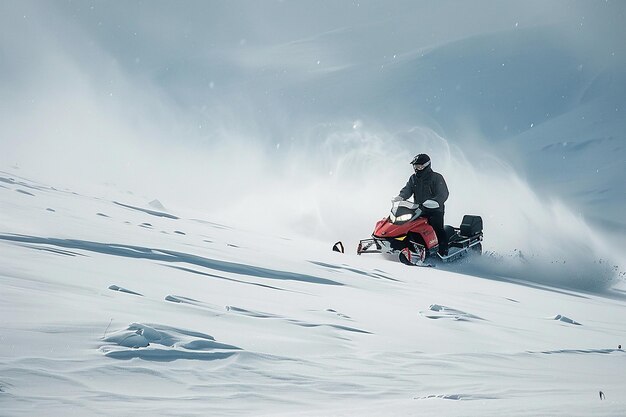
column 111, row 318
column 149, row 267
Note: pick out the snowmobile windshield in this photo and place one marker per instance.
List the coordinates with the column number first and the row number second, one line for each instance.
column 403, row 211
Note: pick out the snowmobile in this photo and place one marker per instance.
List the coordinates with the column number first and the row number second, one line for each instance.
column 406, row 232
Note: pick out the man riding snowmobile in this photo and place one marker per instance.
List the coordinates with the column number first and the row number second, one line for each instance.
column 429, row 191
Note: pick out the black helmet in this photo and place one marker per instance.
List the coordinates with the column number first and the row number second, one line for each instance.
column 421, row 159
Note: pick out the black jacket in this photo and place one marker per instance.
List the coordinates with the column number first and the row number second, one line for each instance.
column 429, row 185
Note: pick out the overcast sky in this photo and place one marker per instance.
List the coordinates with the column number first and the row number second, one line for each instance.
column 194, row 48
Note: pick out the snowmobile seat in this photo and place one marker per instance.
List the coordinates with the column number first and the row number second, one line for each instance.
column 471, row 225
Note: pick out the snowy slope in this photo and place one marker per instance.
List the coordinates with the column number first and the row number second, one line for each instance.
column 115, row 307
column 173, row 175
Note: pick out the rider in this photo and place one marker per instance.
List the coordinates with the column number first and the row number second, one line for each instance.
column 430, row 192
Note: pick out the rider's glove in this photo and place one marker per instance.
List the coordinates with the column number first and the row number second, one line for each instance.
column 430, row 204
column 396, row 198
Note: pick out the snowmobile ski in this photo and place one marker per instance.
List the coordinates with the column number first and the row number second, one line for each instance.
column 407, row 257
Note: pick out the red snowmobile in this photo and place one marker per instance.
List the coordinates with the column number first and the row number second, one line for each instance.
column 406, row 233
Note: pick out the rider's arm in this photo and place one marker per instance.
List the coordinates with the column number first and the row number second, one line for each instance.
column 407, row 191
column 440, row 189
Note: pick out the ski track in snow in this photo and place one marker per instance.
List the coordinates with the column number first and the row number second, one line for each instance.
column 457, row 397
column 260, row 315
column 373, row 274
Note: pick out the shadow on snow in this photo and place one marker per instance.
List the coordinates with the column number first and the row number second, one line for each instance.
column 140, row 252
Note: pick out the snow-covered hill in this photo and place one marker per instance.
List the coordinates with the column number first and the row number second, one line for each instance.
column 173, row 175
column 119, row 307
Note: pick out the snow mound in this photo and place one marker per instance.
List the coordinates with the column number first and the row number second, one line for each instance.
column 164, row 344
column 147, row 211
column 436, row 311
column 157, row 205
column 564, row 319
column 124, row 290
column 178, row 299
column 25, row 192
